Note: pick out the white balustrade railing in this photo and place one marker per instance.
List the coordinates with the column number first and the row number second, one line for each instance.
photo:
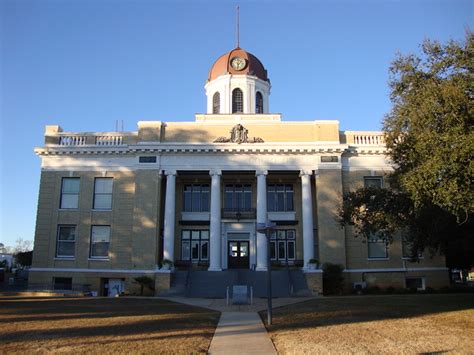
column 109, row 140
column 72, row 140
column 76, row 140
column 369, row 139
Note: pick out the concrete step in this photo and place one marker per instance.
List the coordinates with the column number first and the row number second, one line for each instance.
column 214, row 284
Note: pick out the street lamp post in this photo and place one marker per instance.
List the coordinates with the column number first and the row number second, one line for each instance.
column 267, row 229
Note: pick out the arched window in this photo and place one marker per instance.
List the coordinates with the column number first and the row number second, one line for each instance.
column 237, row 101
column 216, row 103
column 259, row 102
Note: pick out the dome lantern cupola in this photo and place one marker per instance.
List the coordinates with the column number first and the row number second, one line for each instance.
column 237, row 83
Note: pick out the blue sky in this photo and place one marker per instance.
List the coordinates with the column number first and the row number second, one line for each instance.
column 83, row 64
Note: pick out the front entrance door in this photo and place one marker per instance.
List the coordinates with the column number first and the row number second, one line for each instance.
column 238, row 255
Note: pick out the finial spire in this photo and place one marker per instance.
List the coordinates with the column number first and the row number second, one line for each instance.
column 238, row 26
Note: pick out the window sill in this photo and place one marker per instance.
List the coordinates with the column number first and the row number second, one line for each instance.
column 409, row 259
column 69, row 209
column 101, row 210
column 378, row 259
column 98, row 259
column 72, row 258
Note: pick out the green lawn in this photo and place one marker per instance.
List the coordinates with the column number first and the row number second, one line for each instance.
column 103, row 325
column 376, row 324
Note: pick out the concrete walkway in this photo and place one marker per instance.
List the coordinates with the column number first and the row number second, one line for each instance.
column 240, row 329
column 241, row 333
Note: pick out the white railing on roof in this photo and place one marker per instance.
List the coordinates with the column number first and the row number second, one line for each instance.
column 72, row 140
column 369, row 139
column 109, row 140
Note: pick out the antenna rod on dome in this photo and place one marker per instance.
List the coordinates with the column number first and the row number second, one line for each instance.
column 238, row 26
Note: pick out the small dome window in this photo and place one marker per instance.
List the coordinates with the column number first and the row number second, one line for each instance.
column 237, row 101
column 216, row 103
column 259, row 102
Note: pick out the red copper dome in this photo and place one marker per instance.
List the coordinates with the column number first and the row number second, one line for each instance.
column 223, row 65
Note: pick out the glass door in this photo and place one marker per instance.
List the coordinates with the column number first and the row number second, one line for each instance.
column 238, row 255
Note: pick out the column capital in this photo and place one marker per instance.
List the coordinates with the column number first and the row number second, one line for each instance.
column 306, row 172
column 215, row 172
column 169, row 172
column 261, row 172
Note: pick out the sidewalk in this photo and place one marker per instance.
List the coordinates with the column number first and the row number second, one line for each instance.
column 240, row 329
column 241, row 333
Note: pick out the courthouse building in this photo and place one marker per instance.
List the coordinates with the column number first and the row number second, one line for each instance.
column 114, row 206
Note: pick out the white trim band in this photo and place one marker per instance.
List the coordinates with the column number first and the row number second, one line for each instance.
column 399, row 269
column 115, row 271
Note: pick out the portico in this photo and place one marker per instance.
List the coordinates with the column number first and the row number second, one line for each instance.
column 233, row 241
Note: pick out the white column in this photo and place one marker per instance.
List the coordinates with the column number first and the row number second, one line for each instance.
column 307, row 201
column 170, row 203
column 215, row 224
column 261, row 218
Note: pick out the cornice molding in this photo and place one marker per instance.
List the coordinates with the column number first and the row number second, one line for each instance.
column 204, row 148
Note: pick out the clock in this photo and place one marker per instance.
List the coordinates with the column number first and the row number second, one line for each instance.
column 238, row 63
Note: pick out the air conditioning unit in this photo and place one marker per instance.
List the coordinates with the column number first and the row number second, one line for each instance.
column 358, row 286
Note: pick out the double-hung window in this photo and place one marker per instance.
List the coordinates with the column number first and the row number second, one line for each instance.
column 66, row 241
column 280, row 197
column 377, row 248
column 196, row 198
column 100, row 240
column 195, row 245
column 103, row 193
column 238, row 197
column 283, row 245
column 70, row 193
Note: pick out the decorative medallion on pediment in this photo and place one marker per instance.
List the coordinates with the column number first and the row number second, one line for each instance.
column 239, row 134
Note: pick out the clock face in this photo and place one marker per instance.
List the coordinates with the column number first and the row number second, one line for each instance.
column 238, row 63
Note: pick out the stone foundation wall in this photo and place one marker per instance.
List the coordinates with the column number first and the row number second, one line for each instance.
column 433, row 279
column 93, row 280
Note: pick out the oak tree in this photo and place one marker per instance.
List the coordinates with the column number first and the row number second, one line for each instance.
column 430, row 140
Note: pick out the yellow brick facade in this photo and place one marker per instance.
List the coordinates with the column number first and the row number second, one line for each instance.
column 137, row 217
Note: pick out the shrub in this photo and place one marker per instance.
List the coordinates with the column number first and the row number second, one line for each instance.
column 145, row 281
column 374, row 290
column 333, row 279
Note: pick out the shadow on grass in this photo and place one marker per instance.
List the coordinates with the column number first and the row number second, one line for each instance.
column 68, row 308
column 183, row 324
column 161, row 317
column 344, row 310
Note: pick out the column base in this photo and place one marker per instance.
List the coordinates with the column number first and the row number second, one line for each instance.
column 212, row 268
column 261, row 268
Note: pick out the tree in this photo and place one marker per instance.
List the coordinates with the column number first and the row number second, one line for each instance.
column 145, row 281
column 24, row 259
column 430, row 140
column 429, row 131
column 22, row 245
